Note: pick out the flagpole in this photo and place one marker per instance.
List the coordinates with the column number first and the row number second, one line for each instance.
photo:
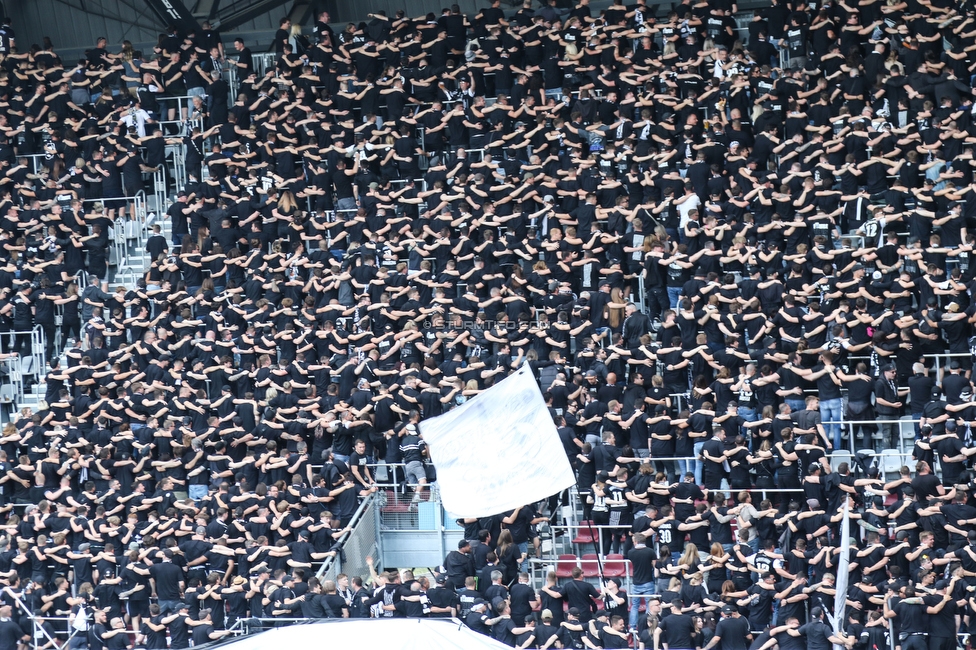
column 843, row 574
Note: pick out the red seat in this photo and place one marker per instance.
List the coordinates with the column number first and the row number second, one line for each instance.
column 394, row 503
column 590, row 565
column 583, row 534
column 615, row 566
column 565, row 565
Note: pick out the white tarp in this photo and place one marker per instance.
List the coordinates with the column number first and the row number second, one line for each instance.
column 388, row 633
column 498, row 451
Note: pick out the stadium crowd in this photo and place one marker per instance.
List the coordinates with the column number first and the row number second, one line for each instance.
column 400, row 214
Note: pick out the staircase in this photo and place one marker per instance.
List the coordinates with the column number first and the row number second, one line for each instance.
column 26, row 385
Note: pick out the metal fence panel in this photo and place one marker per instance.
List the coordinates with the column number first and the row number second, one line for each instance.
column 361, row 542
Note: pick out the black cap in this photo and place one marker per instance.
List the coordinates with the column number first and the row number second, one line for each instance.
column 941, row 584
column 727, row 610
column 441, row 579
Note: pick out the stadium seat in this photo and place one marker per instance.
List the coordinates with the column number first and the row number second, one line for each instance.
column 565, row 565
column 583, row 536
column 615, row 566
column 590, row 565
column 394, row 504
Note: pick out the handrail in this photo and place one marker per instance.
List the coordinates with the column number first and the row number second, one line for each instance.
column 356, row 519
column 32, row 617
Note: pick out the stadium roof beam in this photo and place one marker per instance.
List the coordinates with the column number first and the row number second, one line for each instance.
column 243, row 12
column 174, row 12
column 206, row 9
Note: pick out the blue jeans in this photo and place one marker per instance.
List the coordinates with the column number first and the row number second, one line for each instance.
column 917, row 416
column 673, row 294
column 344, row 459
column 749, row 415
column 347, row 203
column 169, row 606
column 698, row 463
column 685, row 466
column 795, row 404
column 832, row 410
column 523, row 548
column 197, row 492
column 645, row 589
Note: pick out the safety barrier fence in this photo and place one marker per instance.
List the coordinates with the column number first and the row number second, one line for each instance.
column 355, row 545
column 33, row 358
column 385, row 475
column 42, row 635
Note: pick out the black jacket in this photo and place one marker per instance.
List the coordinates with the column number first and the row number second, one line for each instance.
column 459, row 566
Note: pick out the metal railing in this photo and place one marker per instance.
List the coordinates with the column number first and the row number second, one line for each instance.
column 12, row 386
column 263, row 62
column 39, row 634
column 178, row 165
column 355, row 546
column 32, row 364
column 946, row 357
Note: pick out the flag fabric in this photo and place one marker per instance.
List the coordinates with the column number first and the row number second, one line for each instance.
column 843, row 573
column 497, row 451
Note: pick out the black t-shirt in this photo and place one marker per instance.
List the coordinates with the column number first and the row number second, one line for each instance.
column 201, row 634
column 733, row 632
column 502, row 631
column 912, row 619
column 476, row 621
column 179, row 633
column 167, row 577
column 826, row 386
column 10, row 634
column 154, row 639
column 925, row 486
column 678, row 630
column 817, row 634
column 520, row 527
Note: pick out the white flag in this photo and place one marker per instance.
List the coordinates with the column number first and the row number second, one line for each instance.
column 498, row 451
